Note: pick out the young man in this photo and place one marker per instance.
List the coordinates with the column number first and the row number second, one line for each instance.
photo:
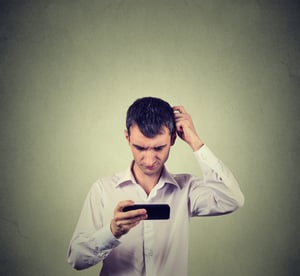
column 128, row 243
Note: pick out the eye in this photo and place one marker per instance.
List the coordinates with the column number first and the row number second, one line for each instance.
column 139, row 148
column 158, row 148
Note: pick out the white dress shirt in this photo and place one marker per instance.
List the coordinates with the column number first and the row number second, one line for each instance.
column 154, row 247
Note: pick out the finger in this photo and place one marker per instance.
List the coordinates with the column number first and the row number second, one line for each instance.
column 122, row 204
column 132, row 214
column 181, row 116
column 178, row 117
column 125, row 228
column 125, row 223
column 182, row 121
column 179, row 109
column 127, row 218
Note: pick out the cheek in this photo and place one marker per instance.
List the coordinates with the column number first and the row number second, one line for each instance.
column 164, row 155
column 136, row 155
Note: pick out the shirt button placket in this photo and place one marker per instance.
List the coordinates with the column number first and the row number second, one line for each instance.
column 149, row 246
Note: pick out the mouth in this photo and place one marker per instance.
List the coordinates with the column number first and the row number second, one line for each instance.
column 151, row 168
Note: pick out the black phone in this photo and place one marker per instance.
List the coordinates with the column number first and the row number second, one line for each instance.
column 154, row 211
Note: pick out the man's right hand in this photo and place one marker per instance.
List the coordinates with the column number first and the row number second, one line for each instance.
column 122, row 222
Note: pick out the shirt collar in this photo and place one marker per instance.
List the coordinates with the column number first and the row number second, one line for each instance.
column 127, row 177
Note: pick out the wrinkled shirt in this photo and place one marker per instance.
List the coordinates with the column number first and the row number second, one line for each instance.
column 153, row 247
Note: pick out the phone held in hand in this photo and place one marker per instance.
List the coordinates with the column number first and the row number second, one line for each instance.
column 154, row 211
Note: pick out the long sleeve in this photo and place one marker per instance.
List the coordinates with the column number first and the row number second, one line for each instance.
column 144, row 246
column 219, row 192
column 92, row 241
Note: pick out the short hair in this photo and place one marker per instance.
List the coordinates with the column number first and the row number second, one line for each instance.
column 150, row 115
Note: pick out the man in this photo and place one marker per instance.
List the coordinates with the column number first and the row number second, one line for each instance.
column 127, row 243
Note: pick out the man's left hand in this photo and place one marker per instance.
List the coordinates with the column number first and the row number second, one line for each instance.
column 185, row 128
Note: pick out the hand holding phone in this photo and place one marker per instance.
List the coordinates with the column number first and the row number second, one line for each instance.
column 122, row 222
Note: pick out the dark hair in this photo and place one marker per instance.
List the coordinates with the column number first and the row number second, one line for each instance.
column 150, row 115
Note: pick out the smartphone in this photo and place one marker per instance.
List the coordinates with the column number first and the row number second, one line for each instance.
column 154, row 211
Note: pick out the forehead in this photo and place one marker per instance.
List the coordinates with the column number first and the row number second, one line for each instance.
column 137, row 137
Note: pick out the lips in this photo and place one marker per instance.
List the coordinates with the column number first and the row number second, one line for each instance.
column 151, row 167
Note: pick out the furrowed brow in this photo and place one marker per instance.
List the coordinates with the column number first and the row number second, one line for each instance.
column 159, row 147
column 139, row 147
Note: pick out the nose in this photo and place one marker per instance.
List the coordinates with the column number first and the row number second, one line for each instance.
column 149, row 157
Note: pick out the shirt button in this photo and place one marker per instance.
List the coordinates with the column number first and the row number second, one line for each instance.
column 149, row 253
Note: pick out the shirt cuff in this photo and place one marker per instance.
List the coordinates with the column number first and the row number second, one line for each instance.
column 108, row 240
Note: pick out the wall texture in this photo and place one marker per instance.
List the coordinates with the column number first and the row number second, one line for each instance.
column 69, row 70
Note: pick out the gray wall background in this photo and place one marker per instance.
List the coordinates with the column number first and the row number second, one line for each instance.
column 69, row 70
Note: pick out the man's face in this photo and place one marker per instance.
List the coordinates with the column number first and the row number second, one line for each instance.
column 150, row 154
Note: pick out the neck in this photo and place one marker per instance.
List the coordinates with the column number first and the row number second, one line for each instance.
column 146, row 181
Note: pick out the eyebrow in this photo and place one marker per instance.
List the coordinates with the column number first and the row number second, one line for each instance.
column 146, row 148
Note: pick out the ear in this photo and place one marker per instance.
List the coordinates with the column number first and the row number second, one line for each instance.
column 126, row 135
column 173, row 139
